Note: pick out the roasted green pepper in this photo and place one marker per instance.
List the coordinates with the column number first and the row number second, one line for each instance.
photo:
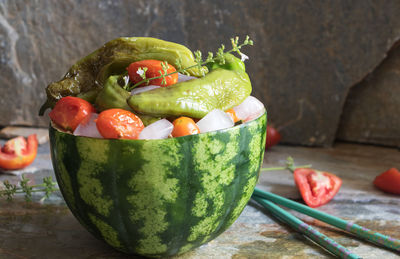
column 219, row 89
column 231, row 62
column 89, row 73
column 112, row 95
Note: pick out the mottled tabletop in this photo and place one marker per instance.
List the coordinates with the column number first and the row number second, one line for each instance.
column 48, row 230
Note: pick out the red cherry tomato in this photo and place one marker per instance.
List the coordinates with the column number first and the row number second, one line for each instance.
column 153, row 70
column 389, row 181
column 18, row 153
column 316, row 188
column 70, row 111
column 119, row 123
column 273, row 137
column 184, row 126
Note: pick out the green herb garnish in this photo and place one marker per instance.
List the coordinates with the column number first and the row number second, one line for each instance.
column 48, row 187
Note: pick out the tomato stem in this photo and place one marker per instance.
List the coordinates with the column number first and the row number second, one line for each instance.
column 284, row 168
column 289, row 166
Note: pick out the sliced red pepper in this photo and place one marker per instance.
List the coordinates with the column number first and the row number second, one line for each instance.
column 18, row 153
column 389, row 181
column 316, row 187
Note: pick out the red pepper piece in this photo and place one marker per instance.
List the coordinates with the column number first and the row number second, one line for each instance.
column 316, row 187
column 18, row 153
column 389, row 181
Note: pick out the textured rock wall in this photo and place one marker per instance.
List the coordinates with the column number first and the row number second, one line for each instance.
column 306, row 56
column 372, row 110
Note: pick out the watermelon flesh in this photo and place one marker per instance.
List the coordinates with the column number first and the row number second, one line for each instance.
column 159, row 197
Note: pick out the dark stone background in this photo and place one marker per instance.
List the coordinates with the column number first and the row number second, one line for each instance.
column 307, row 55
column 372, row 109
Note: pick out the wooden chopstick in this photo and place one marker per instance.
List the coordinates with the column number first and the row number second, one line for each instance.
column 305, row 229
column 359, row 231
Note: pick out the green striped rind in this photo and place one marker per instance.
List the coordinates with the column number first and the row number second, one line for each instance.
column 159, row 197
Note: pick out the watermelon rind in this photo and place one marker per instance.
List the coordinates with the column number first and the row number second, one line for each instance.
column 158, row 198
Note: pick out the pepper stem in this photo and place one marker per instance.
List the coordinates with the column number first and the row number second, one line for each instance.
column 264, row 169
column 289, row 166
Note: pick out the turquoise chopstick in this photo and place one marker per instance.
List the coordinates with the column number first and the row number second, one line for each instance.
column 359, row 231
column 305, row 229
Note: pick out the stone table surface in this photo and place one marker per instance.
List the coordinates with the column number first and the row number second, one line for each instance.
column 48, row 230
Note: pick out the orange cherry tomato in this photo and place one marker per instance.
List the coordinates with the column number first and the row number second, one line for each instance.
column 18, row 153
column 232, row 113
column 184, row 126
column 70, row 111
column 119, row 123
column 153, row 69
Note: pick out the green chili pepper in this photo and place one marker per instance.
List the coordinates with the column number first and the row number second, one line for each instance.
column 219, row 89
column 231, row 63
column 89, row 96
column 112, row 95
column 90, row 73
column 147, row 119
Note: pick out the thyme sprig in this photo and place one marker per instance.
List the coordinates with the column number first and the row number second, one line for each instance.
column 48, row 187
column 289, row 165
column 198, row 58
column 142, row 72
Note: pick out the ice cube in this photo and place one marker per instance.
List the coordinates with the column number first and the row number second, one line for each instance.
column 88, row 128
column 183, row 78
column 250, row 109
column 144, row 89
column 215, row 120
column 157, row 130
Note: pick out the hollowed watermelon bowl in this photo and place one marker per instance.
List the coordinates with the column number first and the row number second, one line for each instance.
column 163, row 197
